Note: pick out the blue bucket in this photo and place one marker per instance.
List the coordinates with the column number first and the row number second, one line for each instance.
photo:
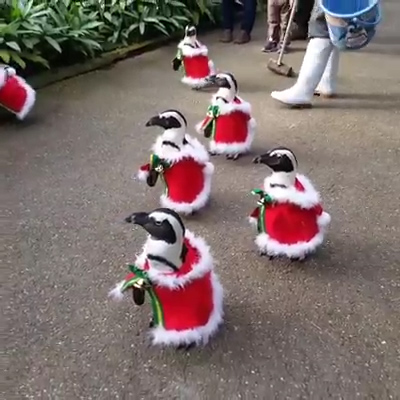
column 351, row 23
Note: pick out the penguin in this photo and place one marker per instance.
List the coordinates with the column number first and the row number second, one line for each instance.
column 192, row 57
column 16, row 95
column 182, row 162
column 289, row 217
column 228, row 123
column 176, row 270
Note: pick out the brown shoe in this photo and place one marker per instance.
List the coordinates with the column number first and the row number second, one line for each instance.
column 242, row 38
column 226, row 36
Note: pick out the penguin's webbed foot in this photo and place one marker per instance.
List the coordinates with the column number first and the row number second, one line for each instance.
column 262, row 253
column 212, row 153
column 298, row 259
column 186, row 347
column 233, row 157
column 151, row 323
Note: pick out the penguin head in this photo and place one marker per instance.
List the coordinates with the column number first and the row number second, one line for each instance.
column 5, row 73
column 190, row 31
column 224, row 80
column 282, row 162
column 165, row 244
column 174, row 124
column 226, row 84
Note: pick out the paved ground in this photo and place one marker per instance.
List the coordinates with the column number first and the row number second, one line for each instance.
column 325, row 329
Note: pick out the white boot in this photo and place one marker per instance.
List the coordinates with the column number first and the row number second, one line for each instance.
column 327, row 84
column 311, row 71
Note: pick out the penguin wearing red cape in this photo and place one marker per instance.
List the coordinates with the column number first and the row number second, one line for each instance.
column 176, row 271
column 290, row 219
column 192, row 57
column 16, row 95
column 182, row 163
column 228, row 123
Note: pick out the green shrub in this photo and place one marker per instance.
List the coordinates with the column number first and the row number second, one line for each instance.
column 55, row 32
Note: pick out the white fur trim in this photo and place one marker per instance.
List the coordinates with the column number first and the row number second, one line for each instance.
column 193, row 149
column 116, row 293
column 200, row 335
column 324, row 220
column 142, row 175
column 307, row 199
column 203, row 266
column 236, row 148
column 188, row 51
column 253, row 221
column 228, row 108
column 211, row 65
column 198, row 128
column 30, row 100
column 195, row 82
column 298, row 250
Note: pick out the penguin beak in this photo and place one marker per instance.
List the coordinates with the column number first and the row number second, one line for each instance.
column 155, row 121
column 211, row 81
column 138, row 218
column 267, row 159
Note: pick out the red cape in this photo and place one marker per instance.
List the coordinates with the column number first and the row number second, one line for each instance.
column 197, row 65
column 17, row 96
column 187, row 180
column 294, row 224
column 189, row 302
column 233, row 127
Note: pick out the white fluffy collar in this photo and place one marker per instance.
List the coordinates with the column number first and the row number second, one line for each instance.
column 308, row 198
column 204, row 265
column 185, row 47
column 193, row 149
column 227, row 108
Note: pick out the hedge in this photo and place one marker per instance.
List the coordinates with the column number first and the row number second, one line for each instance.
column 38, row 34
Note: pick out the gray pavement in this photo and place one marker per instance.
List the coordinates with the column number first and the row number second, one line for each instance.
column 327, row 329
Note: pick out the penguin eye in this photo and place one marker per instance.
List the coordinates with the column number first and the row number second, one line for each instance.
column 158, row 223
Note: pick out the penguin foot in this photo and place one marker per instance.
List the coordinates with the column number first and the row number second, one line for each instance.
column 212, row 153
column 186, row 347
column 151, row 323
column 232, row 157
column 298, row 259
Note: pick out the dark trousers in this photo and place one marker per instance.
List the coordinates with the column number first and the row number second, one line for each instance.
column 278, row 18
column 303, row 13
column 248, row 17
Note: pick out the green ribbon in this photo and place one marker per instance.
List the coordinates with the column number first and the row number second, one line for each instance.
column 264, row 200
column 213, row 112
column 142, row 279
column 160, row 165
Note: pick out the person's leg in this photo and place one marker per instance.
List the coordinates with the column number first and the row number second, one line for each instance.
column 248, row 18
column 284, row 16
column 314, row 64
column 228, row 15
column 327, row 84
column 271, row 43
column 301, row 19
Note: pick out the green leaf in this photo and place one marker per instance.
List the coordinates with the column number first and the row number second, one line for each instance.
column 142, row 27
column 17, row 59
column 53, row 44
column 14, row 46
column 5, row 56
column 91, row 25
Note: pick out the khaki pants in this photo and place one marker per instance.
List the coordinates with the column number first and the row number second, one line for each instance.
column 278, row 18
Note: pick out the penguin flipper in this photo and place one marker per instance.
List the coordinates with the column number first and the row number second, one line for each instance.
column 152, row 178
column 138, row 296
column 176, row 63
column 208, row 131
